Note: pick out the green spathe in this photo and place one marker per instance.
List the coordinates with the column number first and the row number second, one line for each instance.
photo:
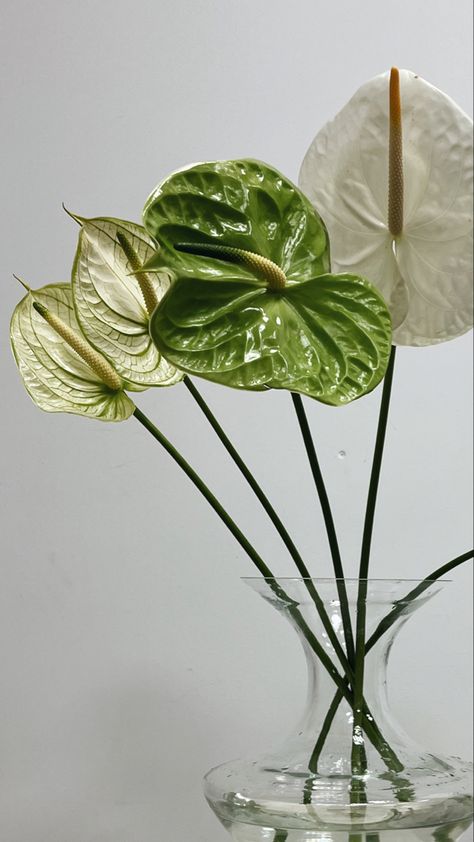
column 326, row 336
column 241, row 204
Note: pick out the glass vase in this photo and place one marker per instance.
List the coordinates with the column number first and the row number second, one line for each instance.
column 332, row 781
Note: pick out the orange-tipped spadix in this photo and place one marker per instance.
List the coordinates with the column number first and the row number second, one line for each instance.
column 395, row 157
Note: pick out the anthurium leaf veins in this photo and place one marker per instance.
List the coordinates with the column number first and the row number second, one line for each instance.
column 56, row 376
column 252, row 304
column 112, row 305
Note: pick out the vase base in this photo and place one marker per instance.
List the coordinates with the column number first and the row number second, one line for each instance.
column 251, row 833
column 270, row 799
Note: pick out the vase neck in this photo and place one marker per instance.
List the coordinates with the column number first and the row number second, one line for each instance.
column 319, row 611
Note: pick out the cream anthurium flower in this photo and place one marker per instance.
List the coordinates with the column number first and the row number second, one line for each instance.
column 61, row 371
column 114, row 299
column 400, row 137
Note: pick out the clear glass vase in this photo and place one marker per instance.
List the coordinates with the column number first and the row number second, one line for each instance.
column 331, row 782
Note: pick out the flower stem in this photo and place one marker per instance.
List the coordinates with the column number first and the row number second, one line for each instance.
column 244, row 543
column 206, row 492
column 326, row 727
column 245, row 471
column 364, row 566
column 281, row 529
column 399, row 609
column 370, row 726
column 382, row 629
column 329, row 522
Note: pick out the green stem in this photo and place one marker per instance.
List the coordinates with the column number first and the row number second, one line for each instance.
column 364, row 566
column 329, row 523
column 205, row 491
column 370, row 726
column 334, row 547
column 280, row 836
column 281, row 529
column 399, row 609
column 372, row 730
column 382, row 629
column 244, row 543
column 326, row 727
column 389, row 757
column 245, row 471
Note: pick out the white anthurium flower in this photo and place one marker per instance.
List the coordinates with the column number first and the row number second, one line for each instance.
column 400, row 137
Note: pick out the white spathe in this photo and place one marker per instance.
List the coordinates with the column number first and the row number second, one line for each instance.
column 425, row 274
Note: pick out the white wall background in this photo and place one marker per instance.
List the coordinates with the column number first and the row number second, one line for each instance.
column 131, row 656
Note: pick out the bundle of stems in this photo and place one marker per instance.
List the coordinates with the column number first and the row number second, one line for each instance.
column 348, row 672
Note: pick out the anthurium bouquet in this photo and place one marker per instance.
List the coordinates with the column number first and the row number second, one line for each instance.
column 239, row 277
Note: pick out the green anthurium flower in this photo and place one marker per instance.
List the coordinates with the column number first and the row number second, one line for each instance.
column 252, row 304
column 61, row 371
column 239, row 204
column 392, row 176
column 113, row 305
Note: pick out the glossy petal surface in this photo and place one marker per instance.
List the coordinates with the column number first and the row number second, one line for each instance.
column 325, row 336
column 56, row 378
column 426, row 275
column 328, row 337
column 109, row 303
column 243, row 204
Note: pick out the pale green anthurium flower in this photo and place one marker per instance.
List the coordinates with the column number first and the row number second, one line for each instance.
column 114, row 306
column 61, row 371
column 424, row 271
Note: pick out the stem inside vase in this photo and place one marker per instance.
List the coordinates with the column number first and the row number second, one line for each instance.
column 278, row 792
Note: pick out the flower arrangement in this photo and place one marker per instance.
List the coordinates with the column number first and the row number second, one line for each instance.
column 239, row 277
